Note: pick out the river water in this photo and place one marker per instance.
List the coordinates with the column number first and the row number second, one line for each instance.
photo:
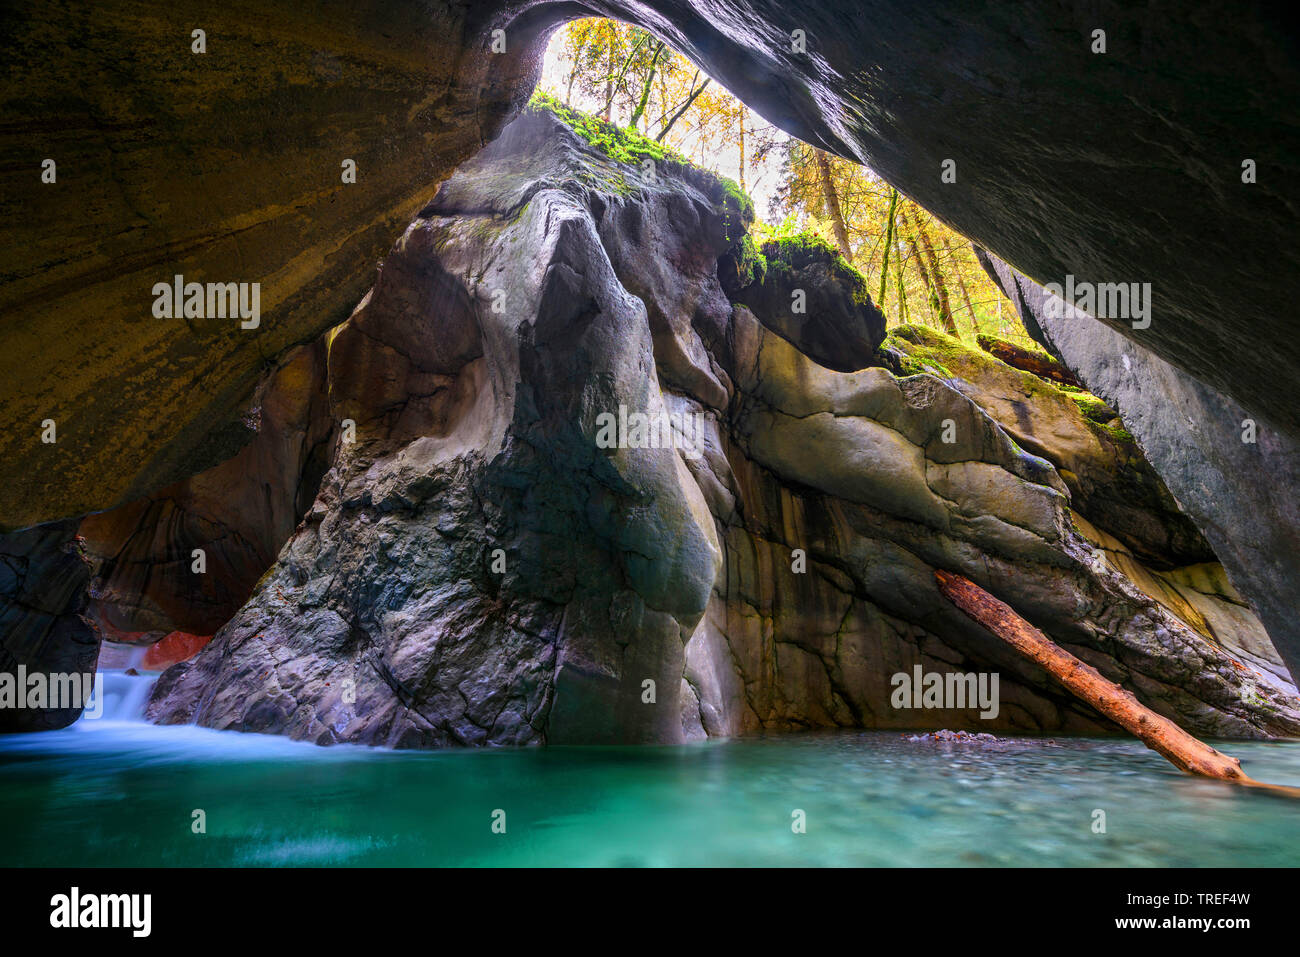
column 119, row 791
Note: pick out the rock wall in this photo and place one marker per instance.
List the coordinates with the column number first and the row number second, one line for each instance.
column 1109, row 478
column 237, row 514
column 504, row 553
column 1240, row 493
column 220, row 166
column 43, row 578
column 226, row 166
column 129, row 575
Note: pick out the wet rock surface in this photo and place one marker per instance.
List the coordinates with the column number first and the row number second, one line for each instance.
column 43, row 578
column 480, row 566
column 1241, row 494
column 944, row 736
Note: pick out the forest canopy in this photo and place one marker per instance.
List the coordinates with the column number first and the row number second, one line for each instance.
column 918, row 269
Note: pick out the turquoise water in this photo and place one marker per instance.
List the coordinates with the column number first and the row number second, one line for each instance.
column 113, row 792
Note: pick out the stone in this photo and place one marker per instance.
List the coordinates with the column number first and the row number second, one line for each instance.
column 477, row 570
column 1239, row 493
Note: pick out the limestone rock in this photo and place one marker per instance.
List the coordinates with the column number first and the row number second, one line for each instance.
column 1240, row 493
column 483, row 565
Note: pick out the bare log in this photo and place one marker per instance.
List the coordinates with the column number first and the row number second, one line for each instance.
column 1043, row 366
column 1158, row 733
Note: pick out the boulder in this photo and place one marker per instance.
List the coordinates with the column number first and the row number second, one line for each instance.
column 808, row 294
column 590, row 500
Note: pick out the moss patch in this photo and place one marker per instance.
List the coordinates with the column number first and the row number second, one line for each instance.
column 751, row 264
column 1117, row 432
column 631, row 148
column 921, row 346
column 791, row 253
column 619, row 144
column 1093, row 408
column 1028, row 346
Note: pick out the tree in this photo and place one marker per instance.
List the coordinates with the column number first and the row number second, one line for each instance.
column 832, row 202
column 940, row 288
column 889, row 243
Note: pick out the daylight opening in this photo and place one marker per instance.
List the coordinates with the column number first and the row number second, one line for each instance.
column 918, row 269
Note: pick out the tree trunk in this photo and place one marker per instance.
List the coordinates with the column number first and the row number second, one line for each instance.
column 645, row 88
column 961, row 284
column 1043, row 366
column 684, row 107
column 902, row 290
column 832, row 202
column 609, row 79
column 1082, row 680
column 740, row 117
column 940, row 289
column 889, row 243
column 910, row 234
column 611, row 86
column 573, row 75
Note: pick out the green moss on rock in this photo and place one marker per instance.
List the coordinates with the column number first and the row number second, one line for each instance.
column 1093, row 408
column 631, row 148
column 751, row 264
column 790, row 253
column 619, row 144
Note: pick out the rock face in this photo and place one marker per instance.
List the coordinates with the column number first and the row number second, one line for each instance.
column 226, row 166
column 836, row 325
column 590, row 500
column 128, row 575
column 1109, row 480
column 43, row 579
column 221, row 166
column 237, row 514
column 1240, row 493
column 1117, row 500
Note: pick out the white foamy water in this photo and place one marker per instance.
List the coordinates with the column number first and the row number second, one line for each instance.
column 123, row 697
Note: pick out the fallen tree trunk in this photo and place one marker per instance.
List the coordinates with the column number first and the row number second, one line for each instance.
column 1084, row 681
column 1027, row 360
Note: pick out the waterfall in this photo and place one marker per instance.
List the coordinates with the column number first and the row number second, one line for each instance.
column 118, row 696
